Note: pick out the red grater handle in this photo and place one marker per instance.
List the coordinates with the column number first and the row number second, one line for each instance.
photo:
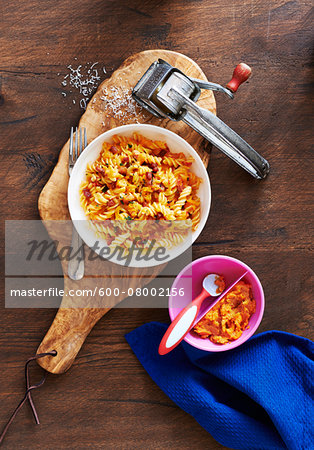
column 240, row 74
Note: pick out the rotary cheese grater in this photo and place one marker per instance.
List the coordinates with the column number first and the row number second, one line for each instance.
column 167, row 92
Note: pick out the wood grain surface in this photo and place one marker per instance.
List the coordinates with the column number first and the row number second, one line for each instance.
column 107, row 400
column 72, row 324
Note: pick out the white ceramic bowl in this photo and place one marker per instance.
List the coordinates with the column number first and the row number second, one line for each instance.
column 175, row 143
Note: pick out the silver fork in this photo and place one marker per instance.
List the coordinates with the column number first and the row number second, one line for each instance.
column 76, row 265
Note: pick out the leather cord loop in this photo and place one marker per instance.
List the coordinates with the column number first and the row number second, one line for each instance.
column 28, row 392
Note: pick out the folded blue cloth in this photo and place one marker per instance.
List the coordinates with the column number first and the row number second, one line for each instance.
column 257, row 396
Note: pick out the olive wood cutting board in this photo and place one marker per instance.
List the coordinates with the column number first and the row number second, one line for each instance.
column 111, row 106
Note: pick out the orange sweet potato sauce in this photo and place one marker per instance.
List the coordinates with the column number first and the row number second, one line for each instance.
column 220, row 283
column 227, row 320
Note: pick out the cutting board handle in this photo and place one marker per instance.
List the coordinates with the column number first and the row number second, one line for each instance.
column 67, row 335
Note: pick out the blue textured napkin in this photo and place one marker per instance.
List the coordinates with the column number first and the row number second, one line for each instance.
column 257, row 396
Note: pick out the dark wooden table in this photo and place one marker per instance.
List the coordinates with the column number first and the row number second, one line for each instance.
column 107, row 400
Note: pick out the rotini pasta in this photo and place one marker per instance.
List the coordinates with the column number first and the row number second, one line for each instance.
column 135, row 178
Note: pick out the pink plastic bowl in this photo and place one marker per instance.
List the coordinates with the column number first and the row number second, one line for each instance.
column 189, row 281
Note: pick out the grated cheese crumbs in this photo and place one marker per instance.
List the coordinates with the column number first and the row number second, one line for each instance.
column 117, row 100
column 119, row 103
column 84, row 79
